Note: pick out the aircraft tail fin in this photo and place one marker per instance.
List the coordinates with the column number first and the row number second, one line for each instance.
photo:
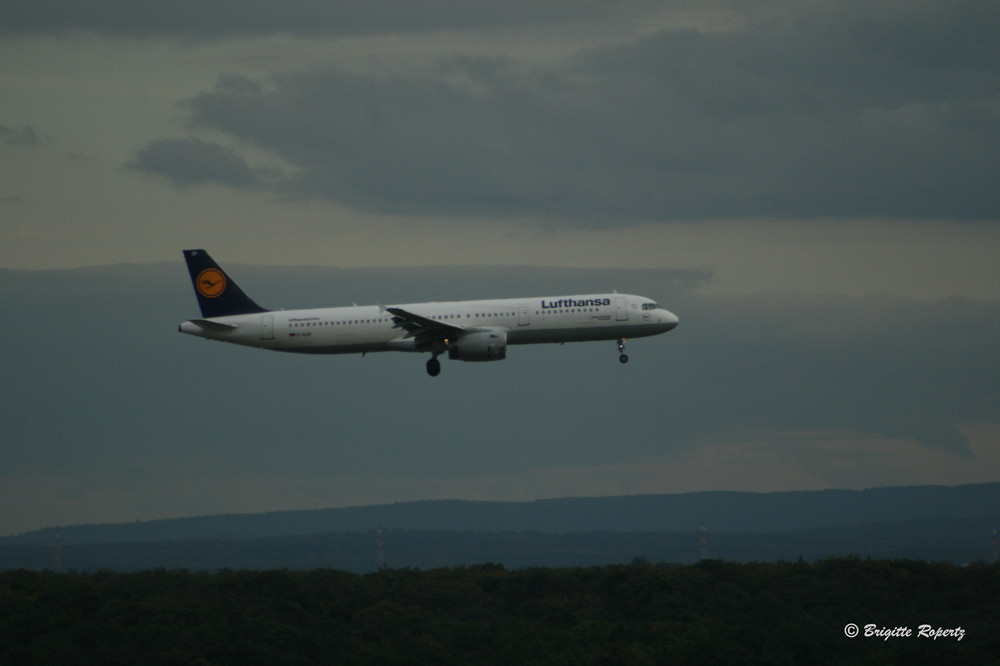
column 218, row 295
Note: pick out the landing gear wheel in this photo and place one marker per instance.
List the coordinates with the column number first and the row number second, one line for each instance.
column 433, row 367
column 621, row 350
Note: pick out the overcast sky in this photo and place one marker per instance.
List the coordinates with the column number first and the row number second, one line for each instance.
column 771, row 163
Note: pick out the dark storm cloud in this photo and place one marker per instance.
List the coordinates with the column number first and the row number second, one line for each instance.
column 191, row 161
column 209, row 19
column 852, row 110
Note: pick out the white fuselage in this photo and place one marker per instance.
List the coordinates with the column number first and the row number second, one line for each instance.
column 373, row 328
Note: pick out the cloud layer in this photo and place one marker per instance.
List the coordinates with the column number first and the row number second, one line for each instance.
column 846, row 110
column 214, row 19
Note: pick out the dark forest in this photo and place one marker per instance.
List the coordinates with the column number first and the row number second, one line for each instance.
column 640, row 613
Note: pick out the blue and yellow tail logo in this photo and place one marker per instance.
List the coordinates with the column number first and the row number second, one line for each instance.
column 211, row 283
column 218, row 295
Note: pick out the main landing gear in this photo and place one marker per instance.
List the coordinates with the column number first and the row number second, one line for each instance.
column 621, row 350
column 436, row 349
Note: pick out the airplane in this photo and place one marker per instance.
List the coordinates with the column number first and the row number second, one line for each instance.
column 466, row 330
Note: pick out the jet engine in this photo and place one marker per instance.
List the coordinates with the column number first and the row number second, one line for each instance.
column 488, row 345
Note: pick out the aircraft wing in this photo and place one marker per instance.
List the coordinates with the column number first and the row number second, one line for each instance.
column 422, row 327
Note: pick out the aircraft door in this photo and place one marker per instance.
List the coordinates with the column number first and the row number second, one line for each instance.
column 267, row 327
column 621, row 308
column 522, row 315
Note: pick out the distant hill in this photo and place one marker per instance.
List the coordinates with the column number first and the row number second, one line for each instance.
column 922, row 522
column 683, row 512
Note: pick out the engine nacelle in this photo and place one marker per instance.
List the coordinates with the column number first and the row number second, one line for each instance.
column 480, row 346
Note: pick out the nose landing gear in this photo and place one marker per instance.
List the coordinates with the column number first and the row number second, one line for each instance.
column 621, row 350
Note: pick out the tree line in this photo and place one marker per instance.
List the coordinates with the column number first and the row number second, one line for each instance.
column 640, row 613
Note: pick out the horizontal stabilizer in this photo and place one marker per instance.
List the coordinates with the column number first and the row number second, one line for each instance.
column 212, row 325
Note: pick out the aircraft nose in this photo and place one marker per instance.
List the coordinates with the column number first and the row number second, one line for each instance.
column 669, row 320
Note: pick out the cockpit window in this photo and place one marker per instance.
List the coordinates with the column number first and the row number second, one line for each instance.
column 650, row 306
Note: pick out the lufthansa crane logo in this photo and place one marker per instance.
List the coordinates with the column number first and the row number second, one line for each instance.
column 211, row 283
